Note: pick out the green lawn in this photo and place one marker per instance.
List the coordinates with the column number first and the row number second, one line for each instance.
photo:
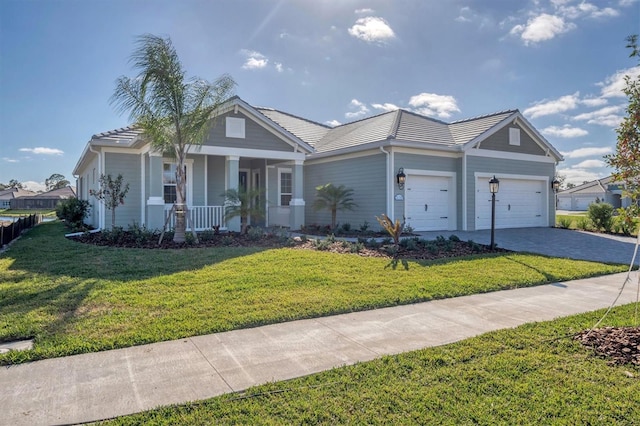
column 535, row 374
column 75, row 298
column 9, row 212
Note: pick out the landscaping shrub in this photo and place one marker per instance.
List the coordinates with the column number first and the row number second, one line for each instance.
column 601, row 215
column 254, row 233
column 73, row 211
column 621, row 225
column 564, row 222
column 583, row 224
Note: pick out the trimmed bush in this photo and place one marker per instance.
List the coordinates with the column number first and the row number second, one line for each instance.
column 601, row 215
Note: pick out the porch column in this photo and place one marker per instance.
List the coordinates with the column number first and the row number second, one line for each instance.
column 232, row 166
column 155, row 202
column 296, row 206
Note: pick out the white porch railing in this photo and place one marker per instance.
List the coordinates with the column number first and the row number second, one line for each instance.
column 202, row 217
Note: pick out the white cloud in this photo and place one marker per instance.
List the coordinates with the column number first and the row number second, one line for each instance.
column 542, row 28
column 9, row 160
column 364, row 11
column 332, row 123
column 590, row 164
column 34, row 186
column 359, row 107
column 612, row 85
column 372, row 29
column 578, row 176
column 433, row 104
column 564, row 132
column 255, row 60
column 278, row 66
column 385, row 107
column 626, row 3
column 555, row 106
column 594, row 102
column 587, row 152
column 42, row 151
column 607, row 116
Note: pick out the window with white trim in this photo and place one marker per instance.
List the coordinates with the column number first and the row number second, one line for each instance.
column 169, row 187
column 285, row 187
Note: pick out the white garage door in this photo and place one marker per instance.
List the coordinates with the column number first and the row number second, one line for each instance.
column 428, row 203
column 519, row 203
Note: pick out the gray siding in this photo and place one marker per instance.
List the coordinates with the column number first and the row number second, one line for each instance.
column 215, row 180
column 128, row 165
column 513, row 167
column 197, row 183
column 427, row 163
column 256, row 136
column 365, row 175
column 500, row 142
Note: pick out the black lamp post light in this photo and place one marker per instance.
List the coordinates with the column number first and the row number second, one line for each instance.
column 401, row 178
column 555, row 185
column 494, row 185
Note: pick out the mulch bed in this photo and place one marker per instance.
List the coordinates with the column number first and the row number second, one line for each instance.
column 441, row 250
column 621, row 345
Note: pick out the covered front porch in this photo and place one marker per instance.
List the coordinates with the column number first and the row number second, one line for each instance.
column 278, row 177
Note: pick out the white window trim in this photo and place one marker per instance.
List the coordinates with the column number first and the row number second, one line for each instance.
column 189, row 164
column 235, row 127
column 280, row 172
column 514, row 136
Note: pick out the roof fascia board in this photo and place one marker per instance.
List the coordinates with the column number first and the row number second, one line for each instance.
column 510, row 156
column 489, row 132
column 244, row 152
column 538, row 137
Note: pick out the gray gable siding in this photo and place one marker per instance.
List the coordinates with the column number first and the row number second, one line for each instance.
column 256, row 136
column 365, row 175
column 428, row 163
column 497, row 166
column 128, row 165
column 499, row 141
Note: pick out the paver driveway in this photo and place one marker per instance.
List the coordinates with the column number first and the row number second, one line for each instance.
column 554, row 242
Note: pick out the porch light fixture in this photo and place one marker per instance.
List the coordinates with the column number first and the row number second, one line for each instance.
column 401, row 178
column 555, row 185
column 494, row 185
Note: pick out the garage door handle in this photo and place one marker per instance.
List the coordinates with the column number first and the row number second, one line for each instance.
column 426, row 207
column 509, row 207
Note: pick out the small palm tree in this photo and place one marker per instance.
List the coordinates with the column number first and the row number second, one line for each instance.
column 333, row 198
column 243, row 203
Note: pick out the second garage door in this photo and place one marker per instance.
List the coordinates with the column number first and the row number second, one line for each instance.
column 520, row 203
column 430, row 203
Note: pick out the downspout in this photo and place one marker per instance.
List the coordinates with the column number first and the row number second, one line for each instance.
column 101, row 206
column 390, row 210
column 464, row 190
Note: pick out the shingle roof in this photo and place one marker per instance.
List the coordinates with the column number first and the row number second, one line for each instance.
column 372, row 129
column 306, row 130
column 464, row 131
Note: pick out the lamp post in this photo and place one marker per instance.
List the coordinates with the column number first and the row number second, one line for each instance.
column 555, row 185
column 494, row 185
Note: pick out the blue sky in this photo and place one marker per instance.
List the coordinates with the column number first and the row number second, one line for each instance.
column 560, row 62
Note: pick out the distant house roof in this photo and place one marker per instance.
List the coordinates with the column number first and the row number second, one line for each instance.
column 598, row 185
column 11, row 193
column 57, row 194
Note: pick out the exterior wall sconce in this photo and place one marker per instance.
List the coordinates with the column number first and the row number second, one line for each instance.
column 555, row 185
column 494, row 185
column 401, row 178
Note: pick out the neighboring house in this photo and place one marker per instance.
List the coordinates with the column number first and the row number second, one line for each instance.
column 6, row 195
column 447, row 169
column 43, row 201
column 605, row 190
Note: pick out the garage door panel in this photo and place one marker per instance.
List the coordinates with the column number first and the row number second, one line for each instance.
column 427, row 204
column 519, row 203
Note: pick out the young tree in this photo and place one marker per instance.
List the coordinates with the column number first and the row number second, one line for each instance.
column 626, row 159
column 56, row 181
column 13, row 183
column 111, row 194
column 242, row 203
column 174, row 113
column 333, row 198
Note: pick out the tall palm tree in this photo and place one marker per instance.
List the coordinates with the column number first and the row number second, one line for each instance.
column 174, row 113
column 333, row 198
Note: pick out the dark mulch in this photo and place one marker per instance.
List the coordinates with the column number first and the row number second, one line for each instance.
column 419, row 249
column 621, row 345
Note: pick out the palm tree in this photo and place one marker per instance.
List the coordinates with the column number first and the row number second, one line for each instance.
column 173, row 113
column 243, row 203
column 333, row 198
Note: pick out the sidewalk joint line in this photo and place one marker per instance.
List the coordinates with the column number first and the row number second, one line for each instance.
column 211, row 365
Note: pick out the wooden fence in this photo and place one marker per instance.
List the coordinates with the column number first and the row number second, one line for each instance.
column 12, row 231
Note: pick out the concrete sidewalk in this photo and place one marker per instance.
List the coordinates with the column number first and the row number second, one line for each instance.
column 101, row 385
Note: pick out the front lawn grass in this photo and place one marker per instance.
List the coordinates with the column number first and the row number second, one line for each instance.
column 25, row 212
column 74, row 298
column 535, row 374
